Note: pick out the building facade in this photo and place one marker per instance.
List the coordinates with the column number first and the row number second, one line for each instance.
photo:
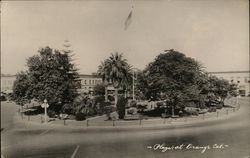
column 7, row 82
column 88, row 82
column 241, row 78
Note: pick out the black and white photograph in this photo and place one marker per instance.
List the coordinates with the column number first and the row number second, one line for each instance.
column 125, row 79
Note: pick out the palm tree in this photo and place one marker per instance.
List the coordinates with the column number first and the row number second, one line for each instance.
column 103, row 72
column 116, row 70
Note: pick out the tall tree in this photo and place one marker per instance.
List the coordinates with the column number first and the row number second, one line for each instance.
column 172, row 75
column 21, row 93
column 103, row 72
column 116, row 70
column 52, row 76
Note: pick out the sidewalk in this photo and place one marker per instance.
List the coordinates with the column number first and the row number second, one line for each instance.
column 100, row 121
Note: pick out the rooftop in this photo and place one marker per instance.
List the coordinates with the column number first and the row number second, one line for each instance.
column 223, row 72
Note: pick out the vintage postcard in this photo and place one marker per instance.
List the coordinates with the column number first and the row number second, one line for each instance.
column 125, row 79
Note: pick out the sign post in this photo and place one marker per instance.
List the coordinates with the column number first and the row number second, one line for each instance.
column 45, row 105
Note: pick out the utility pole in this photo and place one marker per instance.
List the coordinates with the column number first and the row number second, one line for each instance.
column 133, row 85
column 238, row 94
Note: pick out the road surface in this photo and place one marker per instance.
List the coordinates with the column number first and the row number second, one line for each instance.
column 227, row 138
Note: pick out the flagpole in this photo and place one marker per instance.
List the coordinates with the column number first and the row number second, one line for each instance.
column 133, row 84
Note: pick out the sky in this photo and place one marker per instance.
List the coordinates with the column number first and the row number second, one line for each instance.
column 216, row 32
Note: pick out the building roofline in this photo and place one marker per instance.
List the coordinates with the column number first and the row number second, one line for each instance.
column 81, row 75
column 90, row 76
column 7, row 75
column 223, row 72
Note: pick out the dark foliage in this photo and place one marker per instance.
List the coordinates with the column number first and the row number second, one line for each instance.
column 111, row 98
column 51, row 75
column 99, row 89
column 80, row 116
column 52, row 114
column 133, row 103
column 121, row 106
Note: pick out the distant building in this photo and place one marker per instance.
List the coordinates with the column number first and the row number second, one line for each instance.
column 7, row 82
column 88, row 82
column 241, row 78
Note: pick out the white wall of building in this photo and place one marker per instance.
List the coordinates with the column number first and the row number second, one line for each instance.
column 7, row 83
column 241, row 78
column 88, row 82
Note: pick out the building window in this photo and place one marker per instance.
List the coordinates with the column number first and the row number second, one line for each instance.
column 89, row 81
column 85, row 81
column 242, row 86
column 232, row 79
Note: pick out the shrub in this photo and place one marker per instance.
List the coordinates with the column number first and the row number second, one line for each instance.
column 155, row 112
column 121, row 103
column 141, row 108
column 71, row 117
column 99, row 99
column 160, row 104
column 132, row 111
column 80, row 116
column 91, row 112
column 111, row 98
column 67, row 109
column 51, row 113
column 133, row 103
column 100, row 108
column 212, row 109
column 107, row 110
column 3, row 98
column 219, row 106
column 192, row 110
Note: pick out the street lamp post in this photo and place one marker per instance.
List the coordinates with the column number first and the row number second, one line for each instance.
column 45, row 105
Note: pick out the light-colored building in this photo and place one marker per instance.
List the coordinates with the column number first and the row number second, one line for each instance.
column 7, row 82
column 88, row 82
column 241, row 78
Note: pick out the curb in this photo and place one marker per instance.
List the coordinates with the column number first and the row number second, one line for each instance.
column 130, row 127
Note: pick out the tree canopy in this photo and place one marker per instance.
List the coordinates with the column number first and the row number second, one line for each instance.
column 179, row 79
column 99, row 89
column 51, row 75
column 116, row 70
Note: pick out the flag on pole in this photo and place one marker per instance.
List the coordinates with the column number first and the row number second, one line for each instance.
column 128, row 20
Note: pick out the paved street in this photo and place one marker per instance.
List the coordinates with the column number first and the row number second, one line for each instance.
column 226, row 138
column 7, row 112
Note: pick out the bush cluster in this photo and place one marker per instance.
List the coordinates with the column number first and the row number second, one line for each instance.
column 80, row 116
column 121, row 103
